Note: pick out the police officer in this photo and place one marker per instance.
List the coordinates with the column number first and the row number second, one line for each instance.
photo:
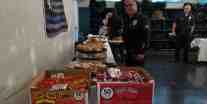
column 135, row 34
column 183, row 27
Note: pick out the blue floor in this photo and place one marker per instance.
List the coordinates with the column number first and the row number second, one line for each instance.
column 176, row 82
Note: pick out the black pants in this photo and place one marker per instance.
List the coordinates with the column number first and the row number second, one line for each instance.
column 132, row 60
column 118, row 52
column 182, row 43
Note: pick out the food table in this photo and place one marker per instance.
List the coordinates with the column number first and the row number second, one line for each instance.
column 91, row 80
column 93, row 83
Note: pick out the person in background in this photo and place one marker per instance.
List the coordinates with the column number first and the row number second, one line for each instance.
column 183, row 27
column 113, row 28
column 105, row 28
column 135, row 32
column 116, row 39
column 115, row 24
column 96, row 10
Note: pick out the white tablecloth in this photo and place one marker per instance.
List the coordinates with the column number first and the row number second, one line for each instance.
column 110, row 56
column 201, row 43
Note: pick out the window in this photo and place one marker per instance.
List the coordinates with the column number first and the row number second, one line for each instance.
column 112, row 0
column 166, row 0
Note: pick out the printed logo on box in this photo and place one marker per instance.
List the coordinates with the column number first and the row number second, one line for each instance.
column 78, row 95
column 107, row 93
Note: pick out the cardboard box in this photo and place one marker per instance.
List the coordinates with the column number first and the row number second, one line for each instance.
column 125, row 92
column 117, row 92
column 47, row 96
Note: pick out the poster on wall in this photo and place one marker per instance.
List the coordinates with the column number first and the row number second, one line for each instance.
column 55, row 19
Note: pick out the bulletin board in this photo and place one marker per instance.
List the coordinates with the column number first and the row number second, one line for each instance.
column 55, row 19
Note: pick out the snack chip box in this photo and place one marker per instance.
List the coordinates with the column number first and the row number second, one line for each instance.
column 122, row 93
column 41, row 96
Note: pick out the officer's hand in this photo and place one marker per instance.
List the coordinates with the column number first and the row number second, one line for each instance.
column 172, row 34
column 146, row 46
column 140, row 57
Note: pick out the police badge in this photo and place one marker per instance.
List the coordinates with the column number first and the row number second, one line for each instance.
column 134, row 22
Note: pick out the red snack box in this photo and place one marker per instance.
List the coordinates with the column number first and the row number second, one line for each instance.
column 125, row 92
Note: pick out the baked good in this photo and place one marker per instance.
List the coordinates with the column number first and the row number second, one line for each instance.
column 91, row 45
column 89, row 66
column 92, row 56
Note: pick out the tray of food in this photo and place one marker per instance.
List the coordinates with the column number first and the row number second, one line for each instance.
column 92, row 45
column 92, row 56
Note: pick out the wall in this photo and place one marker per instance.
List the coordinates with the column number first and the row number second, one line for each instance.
column 85, row 3
column 25, row 49
column 84, row 19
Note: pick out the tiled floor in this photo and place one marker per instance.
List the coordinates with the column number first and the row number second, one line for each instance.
column 177, row 83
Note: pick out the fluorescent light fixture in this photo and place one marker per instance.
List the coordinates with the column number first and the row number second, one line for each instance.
column 112, row 0
column 166, row 0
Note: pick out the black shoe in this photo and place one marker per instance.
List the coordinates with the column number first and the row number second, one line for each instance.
column 186, row 62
